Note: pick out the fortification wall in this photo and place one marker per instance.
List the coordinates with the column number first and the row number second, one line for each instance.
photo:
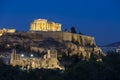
column 60, row 36
column 65, row 36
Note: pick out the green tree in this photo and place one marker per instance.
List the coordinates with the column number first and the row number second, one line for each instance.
column 73, row 29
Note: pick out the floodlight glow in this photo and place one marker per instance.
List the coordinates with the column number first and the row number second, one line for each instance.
column 22, row 55
column 31, row 55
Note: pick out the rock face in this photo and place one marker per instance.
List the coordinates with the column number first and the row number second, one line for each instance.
column 83, row 40
column 64, row 42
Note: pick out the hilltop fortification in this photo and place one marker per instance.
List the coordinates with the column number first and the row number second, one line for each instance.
column 83, row 40
column 45, row 35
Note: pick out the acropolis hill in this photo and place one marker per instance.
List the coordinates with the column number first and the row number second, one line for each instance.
column 45, row 35
column 53, row 30
column 42, row 29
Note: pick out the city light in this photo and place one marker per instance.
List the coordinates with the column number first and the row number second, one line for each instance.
column 31, row 55
column 22, row 55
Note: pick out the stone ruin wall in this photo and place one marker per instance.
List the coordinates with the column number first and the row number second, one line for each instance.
column 49, row 60
column 83, row 40
column 65, row 36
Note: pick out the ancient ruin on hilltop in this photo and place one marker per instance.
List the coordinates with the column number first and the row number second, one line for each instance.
column 45, row 35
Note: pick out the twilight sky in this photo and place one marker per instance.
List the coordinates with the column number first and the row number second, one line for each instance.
column 98, row 18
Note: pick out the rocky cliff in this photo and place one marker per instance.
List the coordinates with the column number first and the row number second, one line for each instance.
column 64, row 42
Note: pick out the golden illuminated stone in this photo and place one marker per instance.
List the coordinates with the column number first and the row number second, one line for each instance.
column 44, row 25
column 4, row 30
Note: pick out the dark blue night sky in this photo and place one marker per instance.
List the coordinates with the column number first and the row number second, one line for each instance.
column 98, row 18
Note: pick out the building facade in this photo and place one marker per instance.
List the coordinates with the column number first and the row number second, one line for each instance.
column 44, row 25
column 4, row 30
column 48, row 61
